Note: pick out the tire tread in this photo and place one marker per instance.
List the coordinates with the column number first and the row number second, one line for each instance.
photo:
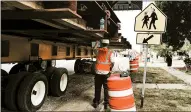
column 24, row 92
column 55, row 82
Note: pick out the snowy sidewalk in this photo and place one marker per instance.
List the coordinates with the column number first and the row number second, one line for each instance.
column 163, row 86
column 181, row 75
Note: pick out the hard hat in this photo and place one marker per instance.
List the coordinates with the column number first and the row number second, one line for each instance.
column 105, row 41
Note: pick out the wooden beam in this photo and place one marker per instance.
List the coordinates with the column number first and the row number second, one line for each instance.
column 69, row 23
column 39, row 14
column 90, row 34
column 58, row 31
column 52, row 39
column 32, row 5
column 56, row 23
column 96, row 31
column 63, row 22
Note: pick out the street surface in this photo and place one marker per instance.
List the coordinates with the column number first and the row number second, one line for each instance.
column 80, row 91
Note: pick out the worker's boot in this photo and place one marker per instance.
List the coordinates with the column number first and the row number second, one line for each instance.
column 105, row 106
column 95, row 105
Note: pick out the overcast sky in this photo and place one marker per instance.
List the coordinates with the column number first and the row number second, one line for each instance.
column 127, row 19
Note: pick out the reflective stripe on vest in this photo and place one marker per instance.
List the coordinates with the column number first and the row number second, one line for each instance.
column 104, row 65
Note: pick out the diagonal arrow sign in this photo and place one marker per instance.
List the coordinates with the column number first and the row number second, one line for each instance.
column 146, row 40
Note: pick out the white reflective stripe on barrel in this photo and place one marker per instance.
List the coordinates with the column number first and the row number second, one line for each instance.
column 134, row 69
column 133, row 64
column 133, row 109
column 120, row 93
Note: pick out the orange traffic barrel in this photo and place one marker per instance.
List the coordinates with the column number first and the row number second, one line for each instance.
column 134, row 65
column 120, row 92
column 115, row 74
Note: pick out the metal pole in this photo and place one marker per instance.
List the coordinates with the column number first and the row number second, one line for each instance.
column 144, row 76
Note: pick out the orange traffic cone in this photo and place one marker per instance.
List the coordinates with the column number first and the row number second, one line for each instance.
column 120, row 93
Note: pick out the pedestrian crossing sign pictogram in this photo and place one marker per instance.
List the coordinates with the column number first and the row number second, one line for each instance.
column 151, row 19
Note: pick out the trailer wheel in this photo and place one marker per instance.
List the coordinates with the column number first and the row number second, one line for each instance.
column 77, row 66
column 4, row 82
column 4, row 73
column 49, row 71
column 32, row 92
column 12, row 88
column 4, row 78
column 82, row 66
column 59, row 82
column 17, row 68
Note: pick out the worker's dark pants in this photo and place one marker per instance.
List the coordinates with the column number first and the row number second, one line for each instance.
column 99, row 81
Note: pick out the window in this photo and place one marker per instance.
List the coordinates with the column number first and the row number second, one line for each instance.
column 54, row 50
column 67, row 51
column 86, row 51
column 79, row 51
column 34, row 49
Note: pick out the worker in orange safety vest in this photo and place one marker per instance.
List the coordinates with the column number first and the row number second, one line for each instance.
column 104, row 63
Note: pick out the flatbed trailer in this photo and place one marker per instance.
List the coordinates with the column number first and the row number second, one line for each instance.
column 35, row 34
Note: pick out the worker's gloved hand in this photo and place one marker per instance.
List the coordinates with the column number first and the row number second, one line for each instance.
column 109, row 74
column 124, row 74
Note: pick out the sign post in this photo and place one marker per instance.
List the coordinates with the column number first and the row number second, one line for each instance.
column 152, row 21
column 144, row 75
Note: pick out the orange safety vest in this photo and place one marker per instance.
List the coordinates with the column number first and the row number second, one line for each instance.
column 103, row 62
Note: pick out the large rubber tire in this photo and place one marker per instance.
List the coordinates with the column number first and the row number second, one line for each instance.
column 17, row 68
column 26, row 90
column 49, row 72
column 4, row 78
column 12, row 88
column 59, row 82
column 77, row 66
column 82, row 65
column 4, row 73
column 4, row 82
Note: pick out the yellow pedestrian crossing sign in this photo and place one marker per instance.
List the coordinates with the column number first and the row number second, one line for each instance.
column 151, row 19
